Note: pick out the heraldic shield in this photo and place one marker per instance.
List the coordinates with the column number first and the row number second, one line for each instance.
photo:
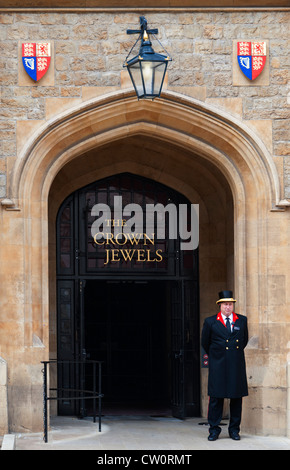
column 36, row 58
column 251, row 58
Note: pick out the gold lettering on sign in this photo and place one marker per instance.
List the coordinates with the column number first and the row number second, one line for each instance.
column 116, row 245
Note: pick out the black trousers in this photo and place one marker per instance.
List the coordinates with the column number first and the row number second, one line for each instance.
column 215, row 414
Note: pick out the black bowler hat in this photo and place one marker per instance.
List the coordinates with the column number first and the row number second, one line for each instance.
column 225, row 296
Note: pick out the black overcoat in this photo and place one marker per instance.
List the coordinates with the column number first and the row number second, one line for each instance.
column 227, row 368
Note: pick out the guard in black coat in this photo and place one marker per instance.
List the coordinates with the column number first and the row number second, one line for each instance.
column 224, row 337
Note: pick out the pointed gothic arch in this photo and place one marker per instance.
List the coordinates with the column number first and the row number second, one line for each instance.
column 201, row 129
column 207, row 140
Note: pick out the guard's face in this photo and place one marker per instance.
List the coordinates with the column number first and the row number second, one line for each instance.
column 227, row 308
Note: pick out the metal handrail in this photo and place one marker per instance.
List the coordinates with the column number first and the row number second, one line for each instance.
column 93, row 394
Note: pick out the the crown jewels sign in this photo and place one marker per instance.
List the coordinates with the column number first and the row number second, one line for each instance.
column 251, row 57
column 36, row 58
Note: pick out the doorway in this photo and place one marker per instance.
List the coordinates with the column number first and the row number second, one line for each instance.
column 138, row 315
column 127, row 326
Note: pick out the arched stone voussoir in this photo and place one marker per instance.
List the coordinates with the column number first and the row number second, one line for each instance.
column 187, row 122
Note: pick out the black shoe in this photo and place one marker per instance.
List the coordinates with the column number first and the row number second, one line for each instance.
column 213, row 436
column 235, row 436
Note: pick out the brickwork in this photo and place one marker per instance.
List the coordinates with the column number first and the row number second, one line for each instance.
column 90, row 48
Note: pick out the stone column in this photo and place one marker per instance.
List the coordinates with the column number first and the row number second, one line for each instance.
column 3, row 397
column 288, row 401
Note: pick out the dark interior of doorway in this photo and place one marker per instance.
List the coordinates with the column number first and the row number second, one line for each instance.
column 127, row 326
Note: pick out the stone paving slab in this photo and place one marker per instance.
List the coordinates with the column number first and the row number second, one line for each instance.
column 125, row 433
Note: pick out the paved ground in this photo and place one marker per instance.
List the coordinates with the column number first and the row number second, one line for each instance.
column 141, row 433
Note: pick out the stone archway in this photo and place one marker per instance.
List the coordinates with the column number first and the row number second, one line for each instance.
column 230, row 158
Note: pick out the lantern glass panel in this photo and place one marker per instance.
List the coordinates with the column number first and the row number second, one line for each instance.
column 136, row 77
column 153, row 73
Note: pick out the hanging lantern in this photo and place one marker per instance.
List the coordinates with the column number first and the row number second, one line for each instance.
column 147, row 69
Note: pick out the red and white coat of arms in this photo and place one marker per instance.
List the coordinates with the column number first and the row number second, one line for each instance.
column 251, row 57
column 36, row 58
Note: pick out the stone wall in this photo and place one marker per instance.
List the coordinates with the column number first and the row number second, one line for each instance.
column 90, row 48
column 88, row 54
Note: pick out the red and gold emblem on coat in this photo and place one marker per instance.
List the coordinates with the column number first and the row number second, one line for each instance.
column 36, row 58
column 251, row 57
